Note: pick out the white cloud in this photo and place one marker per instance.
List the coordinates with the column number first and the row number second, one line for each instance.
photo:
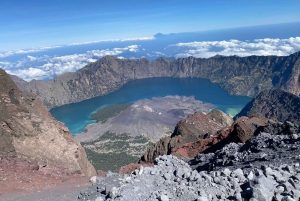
column 266, row 46
column 40, row 49
column 115, row 40
column 31, row 58
column 48, row 67
column 31, row 72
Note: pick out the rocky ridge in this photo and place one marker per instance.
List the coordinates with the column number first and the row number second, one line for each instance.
column 191, row 129
column 29, row 133
column 274, row 104
column 238, row 75
column 264, row 168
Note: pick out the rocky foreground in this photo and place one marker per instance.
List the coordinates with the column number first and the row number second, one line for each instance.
column 264, row 168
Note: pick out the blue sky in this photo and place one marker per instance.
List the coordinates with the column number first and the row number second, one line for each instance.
column 37, row 23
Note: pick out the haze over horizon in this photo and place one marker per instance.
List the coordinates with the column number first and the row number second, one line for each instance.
column 42, row 39
column 31, row 24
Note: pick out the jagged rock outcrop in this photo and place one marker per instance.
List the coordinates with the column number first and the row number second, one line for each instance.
column 28, row 131
column 240, row 131
column 274, row 104
column 193, row 128
column 244, row 127
column 238, row 75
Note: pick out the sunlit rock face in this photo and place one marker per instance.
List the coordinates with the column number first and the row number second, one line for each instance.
column 29, row 131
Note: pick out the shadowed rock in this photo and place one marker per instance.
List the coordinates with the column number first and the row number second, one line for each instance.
column 276, row 104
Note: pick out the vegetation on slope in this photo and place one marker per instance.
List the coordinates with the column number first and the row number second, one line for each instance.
column 107, row 112
column 111, row 151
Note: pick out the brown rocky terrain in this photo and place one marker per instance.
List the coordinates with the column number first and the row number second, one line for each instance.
column 32, row 141
column 238, row 75
column 191, row 129
column 201, row 133
column 274, row 104
column 240, row 131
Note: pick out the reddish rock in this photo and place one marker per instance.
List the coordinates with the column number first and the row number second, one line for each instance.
column 192, row 149
column 240, row 131
column 29, row 131
column 19, row 176
column 36, row 151
column 191, row 129
column 101, row 173
column 244, row 127
column 132, row 167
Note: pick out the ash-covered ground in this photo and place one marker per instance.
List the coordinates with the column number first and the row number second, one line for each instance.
column 264, row 168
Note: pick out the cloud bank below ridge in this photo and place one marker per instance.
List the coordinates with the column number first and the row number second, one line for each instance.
column 47, row 67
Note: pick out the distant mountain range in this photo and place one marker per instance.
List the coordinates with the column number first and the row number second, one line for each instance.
column 238, row 75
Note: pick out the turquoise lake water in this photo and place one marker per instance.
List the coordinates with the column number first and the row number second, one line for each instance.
column 76, row 115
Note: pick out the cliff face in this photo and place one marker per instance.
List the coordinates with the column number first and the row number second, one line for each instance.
column 27, row 130
column 274, row 104
column 238, row 75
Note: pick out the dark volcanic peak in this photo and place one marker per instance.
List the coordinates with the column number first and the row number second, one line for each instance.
column 275, row 104
column 238, row 75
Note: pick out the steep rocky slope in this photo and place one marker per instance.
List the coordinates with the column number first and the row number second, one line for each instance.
column 29, row 133
column 238, row 75
column 277, row 104
column 191, row 129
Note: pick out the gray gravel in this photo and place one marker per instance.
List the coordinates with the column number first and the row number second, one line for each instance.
column 264, row 169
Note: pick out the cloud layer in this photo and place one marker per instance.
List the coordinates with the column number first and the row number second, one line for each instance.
column 267, row 46
column 13, row 52
column 45, row 67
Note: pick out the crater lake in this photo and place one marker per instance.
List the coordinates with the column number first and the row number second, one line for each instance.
column 76, row 116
